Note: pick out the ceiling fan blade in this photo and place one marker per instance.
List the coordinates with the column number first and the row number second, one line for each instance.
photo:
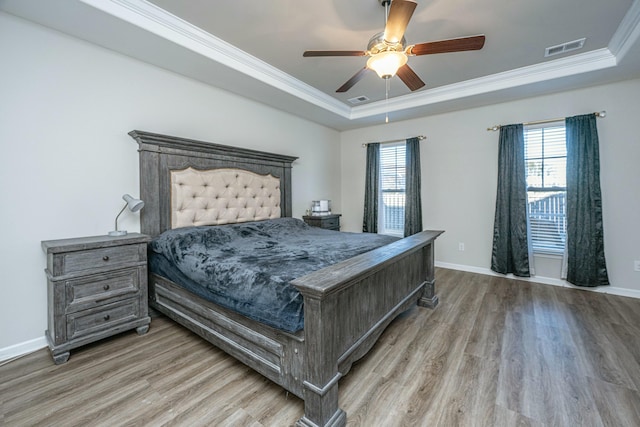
column 399, row 16
column 451, row 45
column 353, row 80
column 409, row 77
column 308, row 53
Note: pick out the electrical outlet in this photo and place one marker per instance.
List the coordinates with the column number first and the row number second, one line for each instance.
column 461, row 247
column 636, row 265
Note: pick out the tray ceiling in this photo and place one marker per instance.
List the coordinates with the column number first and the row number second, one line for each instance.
column 255, row 48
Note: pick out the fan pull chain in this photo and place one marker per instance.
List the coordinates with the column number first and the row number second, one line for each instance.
column 386, row 99
column 387, row 81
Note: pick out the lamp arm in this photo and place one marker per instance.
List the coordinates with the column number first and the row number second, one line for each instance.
column 123, row 208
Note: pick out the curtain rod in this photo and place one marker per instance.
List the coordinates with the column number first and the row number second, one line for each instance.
column 601, row 114
column 420, row 137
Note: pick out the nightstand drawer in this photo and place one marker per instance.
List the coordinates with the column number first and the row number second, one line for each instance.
column 328, row 222
column 98, row 258
column 331, row 223
column 91, row 321
column 87, row 291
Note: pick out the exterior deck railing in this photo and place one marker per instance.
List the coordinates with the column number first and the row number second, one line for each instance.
column 393, row 211
column 548, row 221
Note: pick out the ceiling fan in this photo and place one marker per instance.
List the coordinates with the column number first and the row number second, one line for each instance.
column 388, row 53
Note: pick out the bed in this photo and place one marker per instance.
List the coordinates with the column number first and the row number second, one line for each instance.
column 346, row 305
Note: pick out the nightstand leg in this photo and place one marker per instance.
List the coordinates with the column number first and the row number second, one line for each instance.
column 60, row 358
column 141, row 330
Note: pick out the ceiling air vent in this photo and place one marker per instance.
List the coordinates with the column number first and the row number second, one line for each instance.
column 564, row 47
column 358, row 99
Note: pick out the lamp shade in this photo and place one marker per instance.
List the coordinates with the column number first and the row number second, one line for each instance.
column 386, row 63
column 134, row 204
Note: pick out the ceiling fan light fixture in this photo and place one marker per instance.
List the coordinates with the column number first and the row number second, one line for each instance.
column 386, row 63
column 388, row 52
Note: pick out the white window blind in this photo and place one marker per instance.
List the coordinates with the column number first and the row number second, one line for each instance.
column 392, row 188
column 546, row 162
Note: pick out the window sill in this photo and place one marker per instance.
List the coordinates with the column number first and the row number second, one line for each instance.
column 549, row 254
column 391, row 234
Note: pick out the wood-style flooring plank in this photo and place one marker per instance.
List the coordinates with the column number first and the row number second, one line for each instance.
column 495, row 352
column 463, row 404
column 617, row 406
column 602, row 359
column 485, row 339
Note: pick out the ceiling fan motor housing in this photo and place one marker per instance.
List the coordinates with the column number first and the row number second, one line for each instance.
column 378, row 44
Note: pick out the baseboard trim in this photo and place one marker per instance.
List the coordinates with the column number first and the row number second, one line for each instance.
column 21, row 349
column 17, row 350
column 624, row 292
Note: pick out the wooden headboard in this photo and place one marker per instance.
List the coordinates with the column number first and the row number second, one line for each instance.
column 160, row 155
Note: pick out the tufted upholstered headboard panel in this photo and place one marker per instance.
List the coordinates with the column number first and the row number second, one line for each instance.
column 164, row 156
column 222, row 196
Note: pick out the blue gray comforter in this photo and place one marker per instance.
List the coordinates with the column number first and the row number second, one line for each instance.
column 248, row 267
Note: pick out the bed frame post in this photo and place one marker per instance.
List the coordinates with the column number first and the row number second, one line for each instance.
column 429, row 298
column 321, row 365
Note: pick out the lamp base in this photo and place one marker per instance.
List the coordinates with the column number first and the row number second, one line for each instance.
column 116, row 233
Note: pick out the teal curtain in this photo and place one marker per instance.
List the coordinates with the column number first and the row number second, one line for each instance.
column 510, row 252
column 413, row 202
column 371, row 189
column 586, row 264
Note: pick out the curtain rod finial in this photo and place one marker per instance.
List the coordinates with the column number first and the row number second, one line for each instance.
column 602, row 114
column 494, row 128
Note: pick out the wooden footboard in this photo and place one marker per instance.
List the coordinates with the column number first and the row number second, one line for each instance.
column 346, row 308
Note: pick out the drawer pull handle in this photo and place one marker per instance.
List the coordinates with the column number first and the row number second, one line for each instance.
column 105, row 258
column 107, row 317
column 105, row 287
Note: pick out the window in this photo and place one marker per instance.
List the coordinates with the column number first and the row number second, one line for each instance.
column 545, row 153
column 392, row 187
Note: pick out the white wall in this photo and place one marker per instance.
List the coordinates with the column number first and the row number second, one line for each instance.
column 459, row 169
column 65, row 109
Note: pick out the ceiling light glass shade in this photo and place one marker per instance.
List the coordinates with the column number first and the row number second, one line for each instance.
column 134, row 205
column 386, row 64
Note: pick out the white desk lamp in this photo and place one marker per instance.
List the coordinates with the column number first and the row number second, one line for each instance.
column 134, row 205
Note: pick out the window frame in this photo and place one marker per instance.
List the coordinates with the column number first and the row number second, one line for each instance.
column 549, row 246
column 400, row 175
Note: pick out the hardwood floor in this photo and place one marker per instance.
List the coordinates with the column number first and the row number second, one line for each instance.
column 495, row 352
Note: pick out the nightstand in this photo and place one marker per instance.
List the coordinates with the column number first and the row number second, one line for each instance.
column 96, row 287
column 330, row 222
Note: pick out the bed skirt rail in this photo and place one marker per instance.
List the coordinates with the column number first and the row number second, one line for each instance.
column 275, row 354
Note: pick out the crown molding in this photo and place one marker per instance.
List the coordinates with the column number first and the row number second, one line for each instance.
column 158, row 21
column 628, row 32
column 572, row 65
